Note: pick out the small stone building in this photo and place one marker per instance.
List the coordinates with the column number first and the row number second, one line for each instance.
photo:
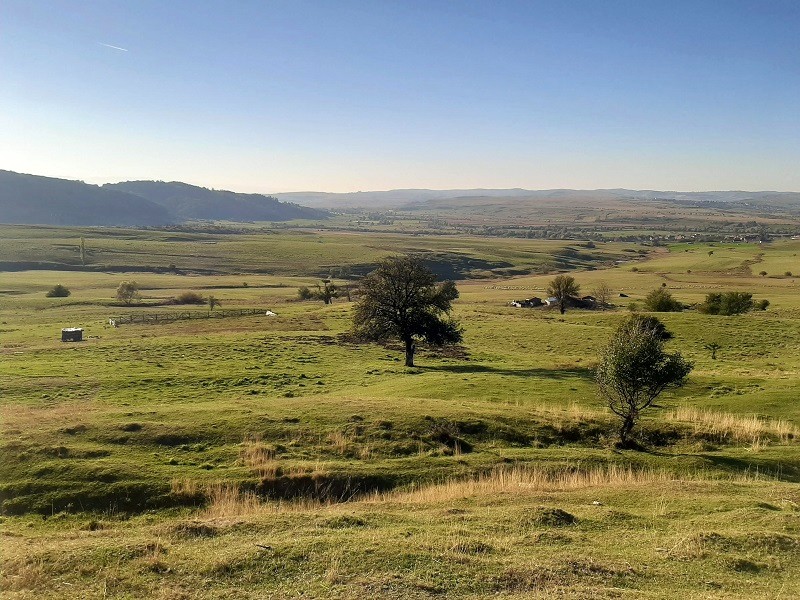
column 72, row 334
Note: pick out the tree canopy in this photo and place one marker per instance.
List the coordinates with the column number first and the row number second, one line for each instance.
column 563, row 287
column 128, row 291
column 634, row 370
column 402, row 300
column 726, row 303
column 661, row 300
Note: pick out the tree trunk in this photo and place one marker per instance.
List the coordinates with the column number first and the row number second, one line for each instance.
column 410, row 347
column 625, row 430
column 561, row 307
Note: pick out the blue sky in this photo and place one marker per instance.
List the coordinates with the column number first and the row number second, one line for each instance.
column 344, row 96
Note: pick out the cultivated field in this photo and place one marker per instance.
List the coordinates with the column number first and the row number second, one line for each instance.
column 273, row 456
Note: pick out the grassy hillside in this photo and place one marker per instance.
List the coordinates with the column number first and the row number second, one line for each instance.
column 187, row 418
column 281, row 252
column 190, row 202
column 35, row 199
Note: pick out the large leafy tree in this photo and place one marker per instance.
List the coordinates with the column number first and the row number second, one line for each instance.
column 402, row 300
column 563, row 287
column 634, row 370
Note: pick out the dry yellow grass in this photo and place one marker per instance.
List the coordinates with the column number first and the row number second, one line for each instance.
column 749, row 429
column 340, row 441
column 527, row 479
column 259, row 457
column 227, row 501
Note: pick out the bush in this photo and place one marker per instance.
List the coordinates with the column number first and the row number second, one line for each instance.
column 189, row 298
column 128, row 291
column 58, row 291
column 651, row 324
column 304, row 293
column 763, row 273
column 788, row 274
column 762, row 304
column 728, row 303
column 661, row 300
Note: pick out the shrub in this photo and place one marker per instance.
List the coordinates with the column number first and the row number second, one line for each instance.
column 727, row 303
column 189, row 298
column 711, row 304
column 58, row 291
column 661, row 300
column 304, row 293
column 651, row 324
column 762, row 304
column 763, row 273
column 128, row 291
column 788, row 274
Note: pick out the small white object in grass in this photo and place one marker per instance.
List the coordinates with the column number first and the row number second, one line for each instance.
column 597, row 503
column 269, row 313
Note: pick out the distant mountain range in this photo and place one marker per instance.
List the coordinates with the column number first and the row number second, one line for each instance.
column 420, row 199
column 48, row 201
column 33, row 199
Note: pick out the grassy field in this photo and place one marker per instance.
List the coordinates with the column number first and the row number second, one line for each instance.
column 281, row 252
column 272, row 456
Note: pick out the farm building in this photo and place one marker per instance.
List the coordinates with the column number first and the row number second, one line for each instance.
column 527, row 303
column 72, row 334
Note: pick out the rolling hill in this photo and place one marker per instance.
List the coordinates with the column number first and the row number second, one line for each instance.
column 38, row 200
column 32, row 199
column 190, row 202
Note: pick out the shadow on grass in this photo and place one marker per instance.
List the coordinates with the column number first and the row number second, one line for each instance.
column 569, row 373
column 782, row 470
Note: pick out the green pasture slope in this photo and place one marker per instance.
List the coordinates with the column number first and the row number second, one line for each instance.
column 126, row 460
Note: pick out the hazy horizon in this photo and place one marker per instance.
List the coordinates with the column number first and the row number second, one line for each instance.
column 340, row 97
column 412, row 188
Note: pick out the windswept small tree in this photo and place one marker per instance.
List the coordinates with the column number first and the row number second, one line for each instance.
column 327, row 291
column 634, row 370
column 602, row 294
column 401, row 299
column 128, row 291
column 562, row 288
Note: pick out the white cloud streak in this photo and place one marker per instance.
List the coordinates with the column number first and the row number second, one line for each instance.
column 114, row 47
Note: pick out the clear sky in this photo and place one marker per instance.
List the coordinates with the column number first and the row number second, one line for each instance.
column 344, row 96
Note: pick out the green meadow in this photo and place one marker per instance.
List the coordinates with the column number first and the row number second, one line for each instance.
column 274, row 456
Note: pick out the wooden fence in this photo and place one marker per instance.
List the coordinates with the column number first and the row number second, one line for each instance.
column 171, row 317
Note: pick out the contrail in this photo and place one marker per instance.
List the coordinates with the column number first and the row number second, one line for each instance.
column 114, row 47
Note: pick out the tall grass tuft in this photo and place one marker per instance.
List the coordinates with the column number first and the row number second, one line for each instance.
column 749, row 429
column 260, row 458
